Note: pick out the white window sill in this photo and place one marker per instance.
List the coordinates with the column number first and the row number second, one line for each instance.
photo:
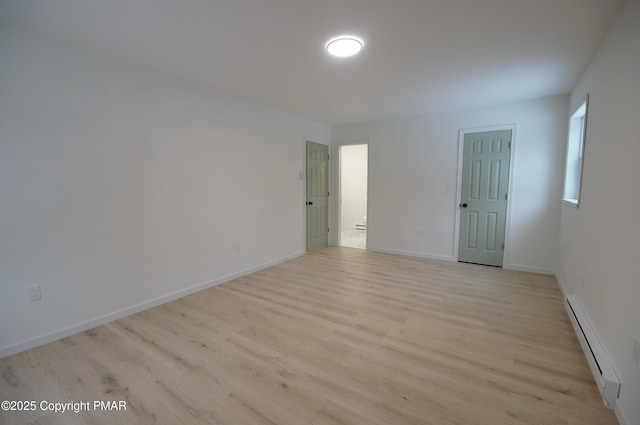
column 571, row 202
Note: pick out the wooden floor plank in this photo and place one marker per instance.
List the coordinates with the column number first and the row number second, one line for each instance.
column 338, row 336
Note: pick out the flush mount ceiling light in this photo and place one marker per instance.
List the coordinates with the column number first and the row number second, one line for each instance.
column 344, row 46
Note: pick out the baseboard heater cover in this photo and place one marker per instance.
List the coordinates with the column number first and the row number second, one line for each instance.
column 606, row 378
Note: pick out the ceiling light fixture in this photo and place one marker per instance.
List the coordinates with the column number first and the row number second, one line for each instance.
column 344, row 46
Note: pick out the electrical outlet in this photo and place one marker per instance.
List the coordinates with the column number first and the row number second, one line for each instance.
column 421, row 233
column 34, row 293
column 237, row 246
column 635, row 354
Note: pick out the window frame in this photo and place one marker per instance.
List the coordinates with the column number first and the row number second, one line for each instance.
column 576, row 144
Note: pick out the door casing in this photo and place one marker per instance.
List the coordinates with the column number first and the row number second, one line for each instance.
column 461, row 134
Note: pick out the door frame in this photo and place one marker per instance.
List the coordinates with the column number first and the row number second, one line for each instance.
column 303, row 179
column 338, row 189
column 512, row 166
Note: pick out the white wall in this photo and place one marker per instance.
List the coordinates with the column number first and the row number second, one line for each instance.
column 412, row 160
column 120, row 186
column 353, row 184
column 600, row 239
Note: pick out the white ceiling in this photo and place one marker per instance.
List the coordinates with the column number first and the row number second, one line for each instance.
column 420, row 56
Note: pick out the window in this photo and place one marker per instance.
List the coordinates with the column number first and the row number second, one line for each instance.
column 575, row 154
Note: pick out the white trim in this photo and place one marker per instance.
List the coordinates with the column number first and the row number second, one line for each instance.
column 338, row 189
column 413, row 254
column 110, row 317
column 584, row 114
column 512, row 166
column 571, row 202
column 529, row 269
column 619, row 411
column 563, row 288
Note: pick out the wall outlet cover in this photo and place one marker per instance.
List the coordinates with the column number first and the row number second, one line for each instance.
column 34, row 293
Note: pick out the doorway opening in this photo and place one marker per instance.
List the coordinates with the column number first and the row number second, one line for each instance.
column 354, row 162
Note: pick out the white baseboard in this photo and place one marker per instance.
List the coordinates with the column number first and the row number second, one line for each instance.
column 529, row 269
column 622, row 418
column 563, row 288
column 110, row 317
column 413, row 254
column 451, row 258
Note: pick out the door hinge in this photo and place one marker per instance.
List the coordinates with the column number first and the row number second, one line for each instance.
column 503, row 246
column 506, row 196
column 327, row 230
column 509, row 145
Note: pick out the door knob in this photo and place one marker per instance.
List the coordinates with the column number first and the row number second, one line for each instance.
column 308, row 203
column 464, row 205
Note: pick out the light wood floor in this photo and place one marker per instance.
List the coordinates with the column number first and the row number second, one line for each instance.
column 339, row 336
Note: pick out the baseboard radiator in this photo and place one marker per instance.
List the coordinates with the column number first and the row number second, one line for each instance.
column 606, row 378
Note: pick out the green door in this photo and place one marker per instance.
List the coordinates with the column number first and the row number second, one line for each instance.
column 317, row 196
column 483, row 206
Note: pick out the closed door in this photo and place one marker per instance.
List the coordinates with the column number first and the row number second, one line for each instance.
column 317, row 196
column 483, row 206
